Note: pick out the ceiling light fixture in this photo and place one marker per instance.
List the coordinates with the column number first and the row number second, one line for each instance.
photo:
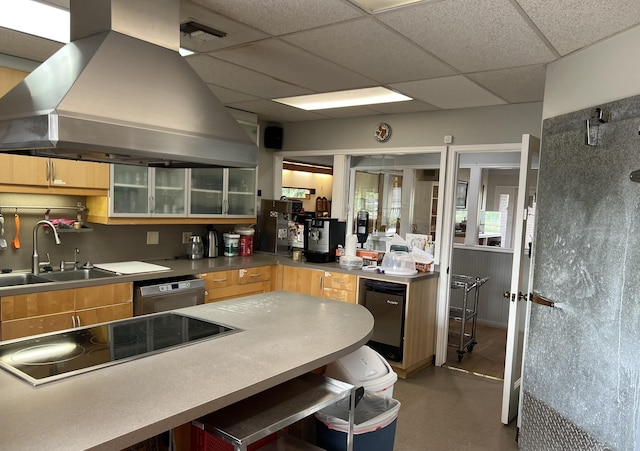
column 342, row 99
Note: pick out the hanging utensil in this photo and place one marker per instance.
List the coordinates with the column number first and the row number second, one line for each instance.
column 16, row 240
column 3, row 242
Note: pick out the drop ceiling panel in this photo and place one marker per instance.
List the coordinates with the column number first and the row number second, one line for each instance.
column 26, row 46
column 413, row 106
column 472, row 36
column 368, row 47
column 449, row 92
column 573, row 24
column 230, row 96
column 221, row 73
column 279, row 17
column 517, row 85
column 274, row 58
column 236, row 33
column 277, row 112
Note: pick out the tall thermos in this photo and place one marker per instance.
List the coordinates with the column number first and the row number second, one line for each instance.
column 362, row 227
column 212, row 243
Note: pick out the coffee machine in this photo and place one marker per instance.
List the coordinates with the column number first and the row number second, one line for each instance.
column 275, row 225
column 321, row 238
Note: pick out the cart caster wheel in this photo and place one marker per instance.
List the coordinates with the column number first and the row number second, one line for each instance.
column 470, row 347
column 460, row 355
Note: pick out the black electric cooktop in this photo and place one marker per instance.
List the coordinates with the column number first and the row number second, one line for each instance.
column 58, row 355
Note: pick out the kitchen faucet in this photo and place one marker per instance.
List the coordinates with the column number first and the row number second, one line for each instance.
column 75, row 262
column 35, row 263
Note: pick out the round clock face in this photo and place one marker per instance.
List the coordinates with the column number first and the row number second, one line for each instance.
column 383, row 132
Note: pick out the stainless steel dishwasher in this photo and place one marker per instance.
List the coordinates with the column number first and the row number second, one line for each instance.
column 162, row 295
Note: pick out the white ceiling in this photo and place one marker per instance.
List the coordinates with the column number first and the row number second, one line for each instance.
column 444, row 53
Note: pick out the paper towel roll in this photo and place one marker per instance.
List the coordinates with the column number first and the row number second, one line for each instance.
column 350, row 246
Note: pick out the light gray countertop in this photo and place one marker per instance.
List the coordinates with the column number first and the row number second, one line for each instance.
column 184, row 267
column 283, row 335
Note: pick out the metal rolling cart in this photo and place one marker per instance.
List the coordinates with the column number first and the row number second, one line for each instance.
column 463, row 339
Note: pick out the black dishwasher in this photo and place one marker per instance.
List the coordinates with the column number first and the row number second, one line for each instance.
column 386, row 302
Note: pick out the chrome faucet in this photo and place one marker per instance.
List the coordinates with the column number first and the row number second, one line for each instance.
column 75, row 263
column 35, row 263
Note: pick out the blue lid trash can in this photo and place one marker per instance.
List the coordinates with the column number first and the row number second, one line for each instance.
column 374, row 426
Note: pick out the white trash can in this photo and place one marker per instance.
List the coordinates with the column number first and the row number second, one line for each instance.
column 364, row 368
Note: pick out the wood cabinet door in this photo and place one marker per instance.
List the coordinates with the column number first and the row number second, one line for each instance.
column 104, row 314
column 339, row 281
column 103, row 295
column 302, row 280
column 36, row 325
column 79, row 174
column 36, row 304
column 23, row 170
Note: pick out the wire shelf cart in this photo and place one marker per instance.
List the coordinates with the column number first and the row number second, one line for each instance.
column 467, row 313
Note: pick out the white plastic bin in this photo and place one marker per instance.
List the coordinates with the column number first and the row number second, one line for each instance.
column 364, row 368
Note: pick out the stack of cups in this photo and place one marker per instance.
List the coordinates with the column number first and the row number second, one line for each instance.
column 350, row 246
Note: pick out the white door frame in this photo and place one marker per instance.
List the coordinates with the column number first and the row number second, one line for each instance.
column 446, row 234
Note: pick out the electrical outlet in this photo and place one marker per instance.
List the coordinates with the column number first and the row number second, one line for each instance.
column 185, row 237
column 153, row 237
column 448, row 139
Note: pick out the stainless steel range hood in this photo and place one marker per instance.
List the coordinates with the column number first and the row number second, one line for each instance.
column 120, row 92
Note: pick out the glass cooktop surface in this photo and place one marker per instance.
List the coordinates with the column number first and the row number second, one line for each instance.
column 55, row 356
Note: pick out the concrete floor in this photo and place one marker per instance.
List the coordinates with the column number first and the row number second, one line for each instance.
column 443, row 409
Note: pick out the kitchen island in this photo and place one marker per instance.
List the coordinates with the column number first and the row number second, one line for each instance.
column 283, row 336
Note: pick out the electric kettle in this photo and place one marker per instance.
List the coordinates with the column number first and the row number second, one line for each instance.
column 212, row 243
column 195, row 250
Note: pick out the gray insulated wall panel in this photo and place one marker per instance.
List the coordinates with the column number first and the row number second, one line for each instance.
column 583, row 357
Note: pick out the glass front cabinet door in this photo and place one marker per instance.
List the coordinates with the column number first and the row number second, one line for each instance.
column 241, row 193
column 129, row 191
column 222, row 192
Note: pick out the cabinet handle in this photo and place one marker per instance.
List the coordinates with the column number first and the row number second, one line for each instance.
column 220, row 280
column 152, row 204
column 340, row 280
column 73, row 320
column 48, row 170
column 321, row 283
column 255, row 275
column 53, row 171
column 78, row 317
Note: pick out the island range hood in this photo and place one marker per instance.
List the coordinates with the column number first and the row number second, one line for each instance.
column 120, row 92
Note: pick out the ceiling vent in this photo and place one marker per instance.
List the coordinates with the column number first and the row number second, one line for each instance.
column 199, row 31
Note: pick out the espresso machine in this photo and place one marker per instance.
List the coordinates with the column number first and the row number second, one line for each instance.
column 275, row 225
column 321, row 238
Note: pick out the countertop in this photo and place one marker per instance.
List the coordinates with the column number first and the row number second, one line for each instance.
column 284, row 335
column 184, row 267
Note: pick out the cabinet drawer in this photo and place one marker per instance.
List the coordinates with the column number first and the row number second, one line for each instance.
column 36, row 325
column 339, row 295
column 104, row 314
column 340, row 281
column 103, row 295
column 254, row 275
column 36, row 304
column 219, row 279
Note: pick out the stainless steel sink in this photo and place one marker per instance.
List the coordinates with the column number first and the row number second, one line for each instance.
column 77, row 274
column 13, row 279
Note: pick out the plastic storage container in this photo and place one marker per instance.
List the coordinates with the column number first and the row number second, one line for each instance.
column 231, row 242
column 398, row 263
column 374, row 429
column 246, row 241
column 364, row 368
column 350, row 262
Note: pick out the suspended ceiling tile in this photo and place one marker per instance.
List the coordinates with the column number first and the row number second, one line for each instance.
column 517, row 85
column 279, row 17
column 412, row 106
column 354, row 111
column 367, row 47
column 26, row 46
column 449, row 92
column 277, row 112
column 229, row 96
column 221, row 73
column 573, row 24
column 293, row 65
column 236, row 33
column 472, row 36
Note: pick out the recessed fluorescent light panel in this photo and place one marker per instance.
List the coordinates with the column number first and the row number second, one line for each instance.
column 40, row 19
column 375, row 6
column 341, row 99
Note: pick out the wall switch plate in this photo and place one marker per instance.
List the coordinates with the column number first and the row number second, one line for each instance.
column 153, row 237
column 185, row 237
column 448, row 139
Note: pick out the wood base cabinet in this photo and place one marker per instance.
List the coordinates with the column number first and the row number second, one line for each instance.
column 327, row 284
column 233, row 283
column 51, row 311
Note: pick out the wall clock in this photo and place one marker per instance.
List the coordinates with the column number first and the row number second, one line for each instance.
column 383, row 132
